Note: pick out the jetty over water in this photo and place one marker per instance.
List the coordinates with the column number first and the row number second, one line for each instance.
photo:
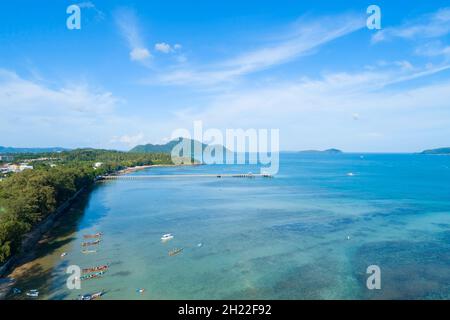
column 169, row 176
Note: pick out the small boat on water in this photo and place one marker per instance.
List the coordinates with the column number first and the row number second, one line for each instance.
column 63, row 254
column 140, row 290
column 93, row 243
column 92, row 296
column 94, row 269
column 95, row 275
column 33, row 293
column 166, row 237
column 91, row 236
column 88, row 251
column 174, row 252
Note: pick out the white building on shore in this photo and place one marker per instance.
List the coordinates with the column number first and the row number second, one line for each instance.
column 16, row 167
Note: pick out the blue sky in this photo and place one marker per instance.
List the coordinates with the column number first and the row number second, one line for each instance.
column 138, row 70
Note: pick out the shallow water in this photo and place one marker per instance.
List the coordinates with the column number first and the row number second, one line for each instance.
column 281, row 238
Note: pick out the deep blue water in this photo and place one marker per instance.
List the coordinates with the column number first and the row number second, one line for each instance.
column 308, row 233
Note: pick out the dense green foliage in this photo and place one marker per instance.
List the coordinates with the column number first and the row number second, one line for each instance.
column 26, row 198
column 196, row 152
column 166, row 148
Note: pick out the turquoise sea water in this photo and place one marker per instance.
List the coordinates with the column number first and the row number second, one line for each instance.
column 281, row 238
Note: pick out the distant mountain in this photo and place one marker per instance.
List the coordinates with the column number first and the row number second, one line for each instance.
column 329, row 151
column 164, row 148
column 437, row 151
column 30, row 150
column 168, row 147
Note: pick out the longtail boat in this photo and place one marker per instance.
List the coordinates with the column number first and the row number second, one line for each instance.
column 92, row 276
column 93, row 243
column 95, row 235
column 94, row 269
column 174, row 252
column 88, row 251
column 92, row 296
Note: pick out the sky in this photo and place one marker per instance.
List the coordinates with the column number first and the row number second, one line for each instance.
column 138, row 70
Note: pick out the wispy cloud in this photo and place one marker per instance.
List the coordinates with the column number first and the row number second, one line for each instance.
column 302, row 39
column 432, row 25
column 23, row 95
column 321, row 112
column 128, row 25
column 99, row 15
column 130, row 140
column 433, row 49
column 72, row 115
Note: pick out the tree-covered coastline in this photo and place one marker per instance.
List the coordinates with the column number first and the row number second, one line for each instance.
column 28, row 197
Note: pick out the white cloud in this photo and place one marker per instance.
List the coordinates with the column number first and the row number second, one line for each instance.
column 163, row 47
column 86, row 4
column 90, row 5
column 167, row 48
column 130, row 140
column 433, row 49
column 139, row 54
column 432, row 25
column 405, row 65
column 305, row 37
column 127, row 22
column 18, row 95
column 34, row 113
column 316, row 111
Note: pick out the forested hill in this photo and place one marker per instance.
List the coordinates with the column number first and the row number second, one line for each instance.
column 197, row 149
column 167, row 147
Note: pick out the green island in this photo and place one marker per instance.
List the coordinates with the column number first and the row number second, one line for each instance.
column 438, row 151
column 328, row 151
column 29, row 196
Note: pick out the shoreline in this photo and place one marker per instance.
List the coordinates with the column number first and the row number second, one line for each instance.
column 148, row 166
column 20, row 264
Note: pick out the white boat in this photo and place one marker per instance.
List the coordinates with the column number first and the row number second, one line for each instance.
column 33, row 293
column 167, row 237
column 88, row 251
column 92, row 296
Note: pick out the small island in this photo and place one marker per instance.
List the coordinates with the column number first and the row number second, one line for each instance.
column 438, row 151
column 328, row 151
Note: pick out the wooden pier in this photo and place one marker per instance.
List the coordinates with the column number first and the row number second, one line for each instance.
column 172, row 176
